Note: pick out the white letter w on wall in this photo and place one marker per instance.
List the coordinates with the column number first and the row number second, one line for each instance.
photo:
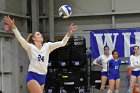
column 108, row 40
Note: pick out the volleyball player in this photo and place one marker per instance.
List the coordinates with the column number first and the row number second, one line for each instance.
column 38, row 53
column 114, row 73
column 104, row 60
column 135, row 65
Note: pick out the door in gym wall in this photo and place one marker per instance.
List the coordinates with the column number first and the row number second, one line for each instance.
column 5, row 65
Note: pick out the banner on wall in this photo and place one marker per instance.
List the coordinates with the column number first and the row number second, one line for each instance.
column 121, row 40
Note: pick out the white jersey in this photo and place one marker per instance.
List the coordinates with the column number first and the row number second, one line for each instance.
column 104, row 60
column 135, row 61
column 39, row 57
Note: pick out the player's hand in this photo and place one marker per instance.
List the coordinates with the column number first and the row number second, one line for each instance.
column 138, row 66
column 102, row 67
column 10, row 22
column 131, row 66
column 71, row 29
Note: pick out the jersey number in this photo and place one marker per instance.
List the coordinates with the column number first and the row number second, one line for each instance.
column 40, row 58
column 116, row 67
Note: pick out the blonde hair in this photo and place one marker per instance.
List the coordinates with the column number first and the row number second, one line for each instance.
column 30, row 38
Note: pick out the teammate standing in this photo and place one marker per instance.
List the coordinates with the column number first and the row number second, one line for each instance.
column 104, row 60
column 135, row 65
column 114, row 73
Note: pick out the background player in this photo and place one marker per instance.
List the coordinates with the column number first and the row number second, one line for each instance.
column 135, row 65
column 114, row 73
column 103, row 59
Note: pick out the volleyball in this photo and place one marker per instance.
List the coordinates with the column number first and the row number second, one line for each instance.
column 65, row 11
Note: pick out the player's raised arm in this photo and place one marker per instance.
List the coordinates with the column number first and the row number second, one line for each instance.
column 71, row 29
column 12, row 25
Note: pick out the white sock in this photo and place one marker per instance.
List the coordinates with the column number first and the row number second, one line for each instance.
column 109, row 91
column 130, row 90
column 102, row 87
column 116, row 91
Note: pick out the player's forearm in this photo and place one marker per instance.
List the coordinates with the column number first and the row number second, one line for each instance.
column 132, row 66
column 137, row 66
column 56, row 45
column 13, row 26
column 65, row 40
column 69, row 33
column 98, row 65
column 22, row 41
column 17, row 33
